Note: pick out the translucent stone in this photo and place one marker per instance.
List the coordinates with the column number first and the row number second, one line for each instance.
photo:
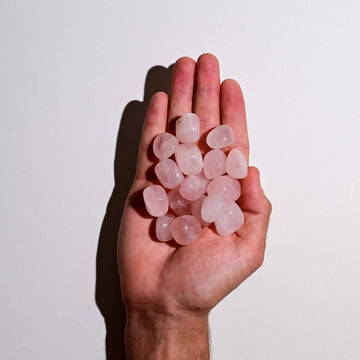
column 169, row 173
column 212, row 208
column 188, row 128
column 221, row 136
column 165, row 145
column 156, row 201
column 214, row 163
column 189, row 159
column 204, row 181
column 178, row 204
column 191, row 188
column 226, row 186
column 230, row 221
column 196, row 209
column 185, row 229
column 162, row 227
column 236, row 164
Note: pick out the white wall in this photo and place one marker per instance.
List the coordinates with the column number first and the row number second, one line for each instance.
column 67, row 71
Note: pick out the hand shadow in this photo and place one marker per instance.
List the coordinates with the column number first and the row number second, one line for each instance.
column 108, row 290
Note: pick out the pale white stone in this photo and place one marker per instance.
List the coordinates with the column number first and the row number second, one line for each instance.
column 169, row 173
column 178, row 204
column 214, row 163
column 226, row 186
column 231, row 220
column 185, row 229
column 156, row 201
column 162, row 227
column 188, row 128
column 236, row 164
column 191, row 187
column 220, row 137
column 165, row 145
column 212, row 208
column 189, row 159
column 196, row 210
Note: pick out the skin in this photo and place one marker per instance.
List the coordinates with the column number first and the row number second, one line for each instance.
column 168, row 289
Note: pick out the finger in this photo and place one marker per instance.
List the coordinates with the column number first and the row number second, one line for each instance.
column 232, row 109
column 207, row 91
column 155, row 123
column 182, row 87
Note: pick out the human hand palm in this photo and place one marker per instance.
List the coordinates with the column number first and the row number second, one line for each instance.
column 171, row 278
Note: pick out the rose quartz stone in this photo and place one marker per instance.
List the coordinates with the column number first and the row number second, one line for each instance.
column 212, row 208
column 178, row 204
column 162, row 227
column 188, row 128
column 156, row 201
column 226, row 186
column 221, row 136
column 185, row 229
column 191, row 188
column 189, row 159
column 204, row 181
column 230, row 221
column 214, row 163
column 236, row 164
column 165, row 145
column 196, row 210
column 169, row 173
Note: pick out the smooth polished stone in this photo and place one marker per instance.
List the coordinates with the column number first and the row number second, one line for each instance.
column 162, row 227
column 191, row 188
column 236, row 164
column 188, row 128
column 220, row 137
column 165, row 145
column 169, row 174
column 226, row 186
column 156, row 201
column 196, row 210
column 185, row 229
column 231, row 220
column 204, row 181
column 212, row 208
column 178, row 204
column 189, row 159
column 214, row 163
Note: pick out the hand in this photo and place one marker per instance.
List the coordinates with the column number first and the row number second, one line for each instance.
column 167, row 286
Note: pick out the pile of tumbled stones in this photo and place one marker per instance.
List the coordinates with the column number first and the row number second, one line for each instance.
column 196, row 191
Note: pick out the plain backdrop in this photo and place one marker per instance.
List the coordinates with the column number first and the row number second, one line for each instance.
column 67, row 71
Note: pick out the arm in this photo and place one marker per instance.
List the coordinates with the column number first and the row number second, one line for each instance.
column 169, row 290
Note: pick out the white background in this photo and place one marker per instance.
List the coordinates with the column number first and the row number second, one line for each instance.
column 67, row 71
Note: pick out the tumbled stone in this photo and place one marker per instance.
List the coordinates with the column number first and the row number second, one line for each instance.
column 178, row 204
column 162, row 227
column 156, row 201
column 191, row 188
column 189, row 159
column 165, row 145
column 236, row 164
column 214, row 163
column 231, row 220
column 188, row 128
column 169, row 173
column 212, row 208
column 226, row 186
column 204, row 181
column 185, row 229
column 196, row 210
column 220, row 137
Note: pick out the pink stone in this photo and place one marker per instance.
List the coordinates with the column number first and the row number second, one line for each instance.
column 189, row 159
column 185, row 229
column 226, row 186
column 191, row 188
column 231, row 220
column 162, row 227
column 221, row 136
column 214, row 163
column 169, row 173
column 204, row 181
column 236, row 164
column 188, row 128
column 196, row 210
column 212, row 208
column 165, row 145
column 156, row 201
column 178, row 204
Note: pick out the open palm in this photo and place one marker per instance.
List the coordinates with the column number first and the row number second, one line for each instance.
column 178, row 279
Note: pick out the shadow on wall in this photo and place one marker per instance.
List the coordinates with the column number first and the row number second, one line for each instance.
column 108, row 291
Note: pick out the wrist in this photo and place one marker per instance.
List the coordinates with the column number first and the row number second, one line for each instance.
column 156, row 335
